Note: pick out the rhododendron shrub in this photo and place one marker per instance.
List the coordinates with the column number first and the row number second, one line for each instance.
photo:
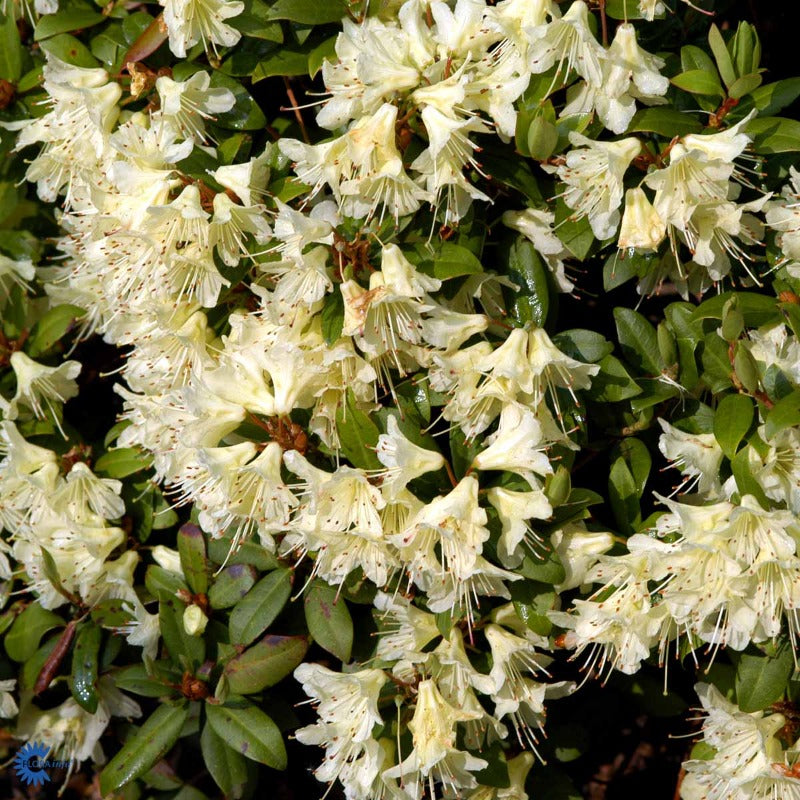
column 399, row 400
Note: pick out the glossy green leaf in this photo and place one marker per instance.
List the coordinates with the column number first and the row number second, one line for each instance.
column 22, row 640
column 722, row 56
column 613, row 383
column 309, row 12
column 122, row 462
column 231, row 585
column 261, row 605
column 85, row 654
column 264, row 664
column 358, row 435
column 147, row 746
column 328, row 619
column 784, row 414
column 698, row 82
column 227, row 767
column 638, row 340
column 732, row 420
column 194, row 563
column 249, row 731
column 761, row 680
column 10, row 48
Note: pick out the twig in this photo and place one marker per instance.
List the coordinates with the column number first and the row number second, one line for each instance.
column 295, row 107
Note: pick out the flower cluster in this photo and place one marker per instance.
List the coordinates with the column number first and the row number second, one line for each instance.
column 354, row 385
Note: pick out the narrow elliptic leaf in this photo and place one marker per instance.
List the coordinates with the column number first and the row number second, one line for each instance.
column 249, row 731
column 329, row 621
column 265, row 663
column 149, row 744
column 192, row 549
column 227, row 767
column 732, row 420
column 256, row 611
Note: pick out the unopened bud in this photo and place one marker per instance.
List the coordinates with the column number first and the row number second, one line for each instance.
column 558, row 486
column 167, row 558
column 194, row 620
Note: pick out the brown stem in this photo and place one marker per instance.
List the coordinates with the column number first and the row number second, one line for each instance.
column 295, row 107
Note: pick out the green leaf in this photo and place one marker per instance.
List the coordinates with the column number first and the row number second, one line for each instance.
column 264, row 664
column 309, row 12
column 282, row 62
column 772, row 97
column 613, row 383
column 137, row 680
column 542, row 138
column 22, row 640
column 122, row 461
column 637, row 458
column 717, row 367
column 746, row 49
column 744, row 85
column 746, row 482
column 358, row 435
column 247, row 553
column 665, row 121
column 548, row 569
column 575, row 234
column 83, row 681
column 56, row 323
column 147, row 746
column 110, row 614
column 328, row 619
column 65, row 21
column 638, row 340
column 525, row 268
column 757, row 309
column 227, row 767
column 695, row 58
column 254, row 22
column 10, row 48
column 445, row 260
column 323, row 52
column 246, row 115
column 761, row 680
column 698, row 82
column 732, row 420
column 774, row 134
column 722, row 56
column 583, row 345
column 249, row 731
column 69, row 49
column 332, row 317
column 784, row 414
column 163, row 583
column 231, row 585
column 192, row 549
column 623, row 494
column 258, row 609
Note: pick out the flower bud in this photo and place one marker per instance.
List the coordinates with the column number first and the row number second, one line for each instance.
column 558, row 486
column 642, row 227
column 167, row 558
column 194, row 620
